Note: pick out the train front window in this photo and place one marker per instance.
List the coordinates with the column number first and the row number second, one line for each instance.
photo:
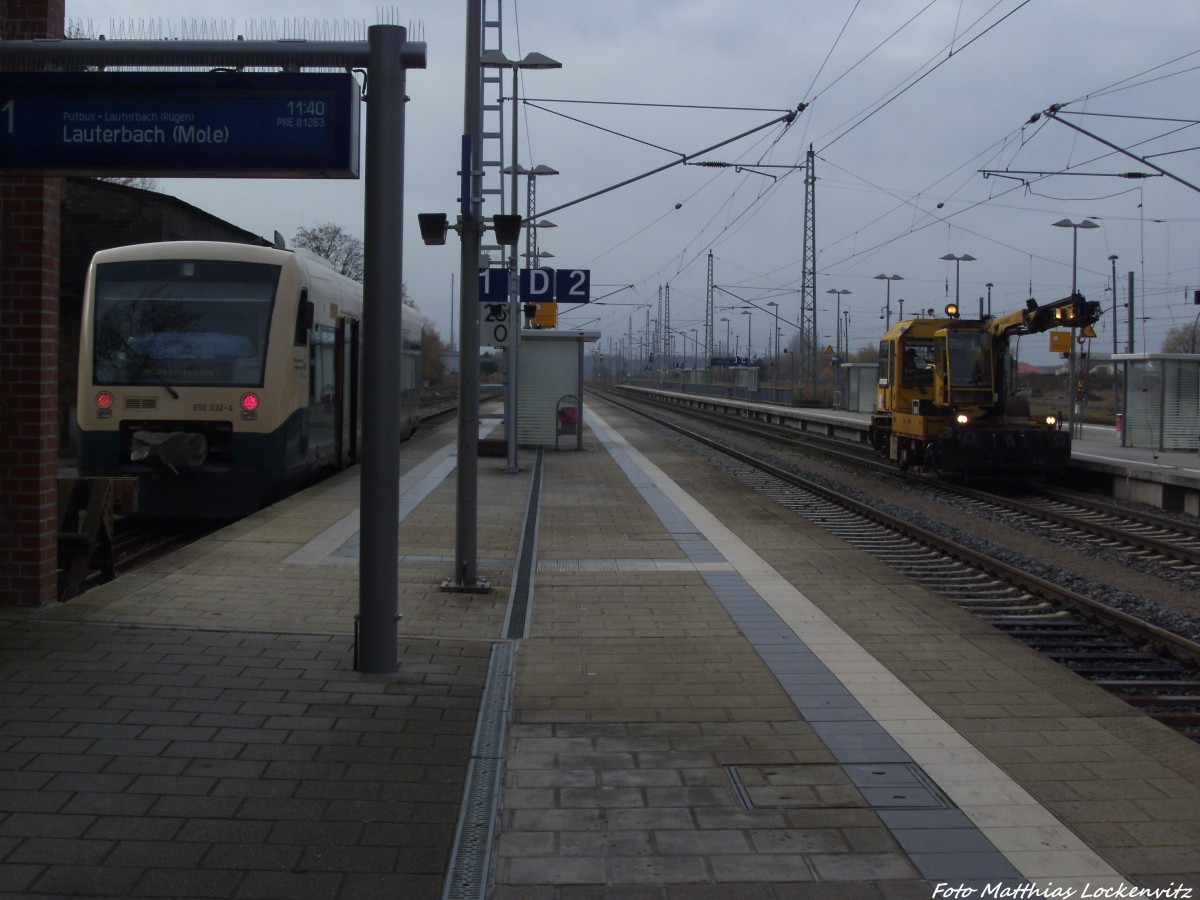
column 969, row 360
column 183, row 322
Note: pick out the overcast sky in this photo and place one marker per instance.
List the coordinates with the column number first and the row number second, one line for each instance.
column 909, row 104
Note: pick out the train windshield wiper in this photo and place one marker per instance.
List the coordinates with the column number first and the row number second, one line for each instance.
column 170, row 390
column 150, row 374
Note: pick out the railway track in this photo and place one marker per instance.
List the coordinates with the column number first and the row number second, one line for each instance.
column 135, row 541
column 1153, row 668
column 1142, row 537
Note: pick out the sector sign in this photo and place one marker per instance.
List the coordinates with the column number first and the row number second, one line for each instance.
column 540, row 285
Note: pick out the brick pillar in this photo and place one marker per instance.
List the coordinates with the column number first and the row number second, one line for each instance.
column 29, row 257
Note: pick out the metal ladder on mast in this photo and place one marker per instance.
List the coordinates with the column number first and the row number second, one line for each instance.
column 491, row 154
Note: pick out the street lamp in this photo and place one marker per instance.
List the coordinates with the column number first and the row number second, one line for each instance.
column 838, row 316
column 774, row 354
column 1075, row 226
column 889, row 279
column 1113, row 361
column 1074, row 427
column 531, row 201
column 749, row 314
column 495, row 59
column 966, row 257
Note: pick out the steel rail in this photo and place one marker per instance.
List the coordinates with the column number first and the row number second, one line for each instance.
column 1179, row 647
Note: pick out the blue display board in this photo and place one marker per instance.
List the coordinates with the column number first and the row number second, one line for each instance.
column 229, row 124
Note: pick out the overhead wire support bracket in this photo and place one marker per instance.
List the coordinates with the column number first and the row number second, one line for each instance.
column 1014, row 173
column 788, row 117
column 1053, row 113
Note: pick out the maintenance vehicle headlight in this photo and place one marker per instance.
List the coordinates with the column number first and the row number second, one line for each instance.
column 962, row 418
column 1051, row 420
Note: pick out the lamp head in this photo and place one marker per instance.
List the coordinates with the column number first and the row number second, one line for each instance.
column 507, row 228
column 538, row 61
column 433, row 227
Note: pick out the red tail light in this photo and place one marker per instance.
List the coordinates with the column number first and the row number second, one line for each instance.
column 250, row 402
column 104, row 400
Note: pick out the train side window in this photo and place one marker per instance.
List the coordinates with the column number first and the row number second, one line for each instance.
column 917, row 368
column 323, row 372
column 885, row 368
column 304, row 319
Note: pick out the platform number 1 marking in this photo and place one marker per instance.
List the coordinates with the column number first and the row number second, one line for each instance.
column 8, row 108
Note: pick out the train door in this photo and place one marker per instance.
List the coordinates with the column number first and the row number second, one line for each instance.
column 354, row 389
column 322, row 409
column 345, row 393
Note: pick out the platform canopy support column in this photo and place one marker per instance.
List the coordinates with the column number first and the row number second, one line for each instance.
column 386, row 56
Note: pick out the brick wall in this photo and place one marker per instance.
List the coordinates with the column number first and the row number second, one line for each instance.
column 29, row 262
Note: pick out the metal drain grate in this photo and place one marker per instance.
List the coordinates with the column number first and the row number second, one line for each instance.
column 517, row 617
column 471, row 856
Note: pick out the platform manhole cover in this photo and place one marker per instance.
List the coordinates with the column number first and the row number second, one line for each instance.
column 832, row 786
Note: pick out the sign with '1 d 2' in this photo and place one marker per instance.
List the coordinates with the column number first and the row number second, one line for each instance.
column 573, row 285
column 559, row 285
column 537, row 285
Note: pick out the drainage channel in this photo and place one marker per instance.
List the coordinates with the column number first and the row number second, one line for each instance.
column 471, row 855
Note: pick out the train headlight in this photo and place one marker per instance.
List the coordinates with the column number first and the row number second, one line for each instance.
column 962, row 419
column 249, row 402
column 1051, row 421
column 104, row 400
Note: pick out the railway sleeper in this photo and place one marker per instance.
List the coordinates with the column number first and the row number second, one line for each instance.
column 1163, row 702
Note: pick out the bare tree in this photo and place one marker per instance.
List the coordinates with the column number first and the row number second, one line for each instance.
column 1182, row 339
column 433, row 355
column 330, row 241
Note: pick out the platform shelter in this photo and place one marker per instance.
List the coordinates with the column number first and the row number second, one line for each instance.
column 550, row 388
column 1161, row 400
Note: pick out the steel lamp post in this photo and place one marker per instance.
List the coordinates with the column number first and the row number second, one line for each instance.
column 774, row 342
column 495, row 59
column 888, row 307
column 1074, row 426
column 838, row 339
column 958, row 260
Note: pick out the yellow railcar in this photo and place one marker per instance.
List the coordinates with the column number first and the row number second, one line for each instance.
column 946, row 400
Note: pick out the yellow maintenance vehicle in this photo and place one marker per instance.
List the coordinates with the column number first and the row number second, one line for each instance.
column 946, row 400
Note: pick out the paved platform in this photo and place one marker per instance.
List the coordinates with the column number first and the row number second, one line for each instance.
column 705, row 697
